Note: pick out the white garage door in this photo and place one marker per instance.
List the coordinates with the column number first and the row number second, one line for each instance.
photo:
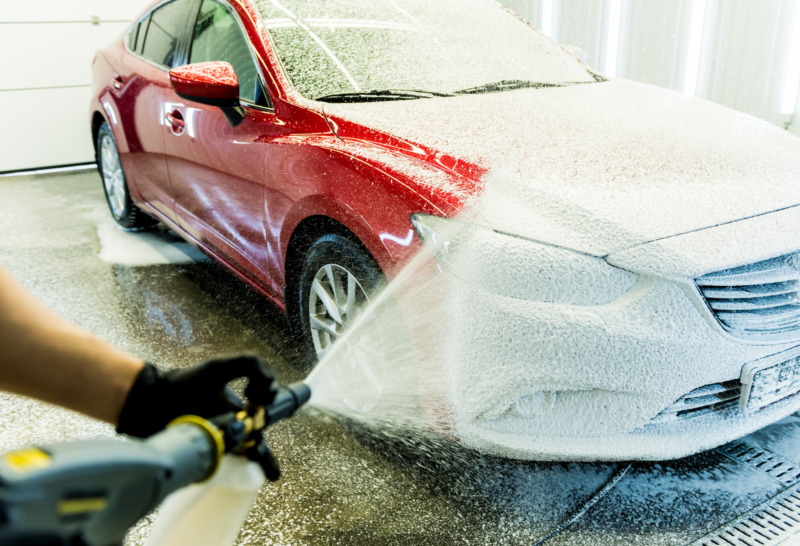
column 46, row 49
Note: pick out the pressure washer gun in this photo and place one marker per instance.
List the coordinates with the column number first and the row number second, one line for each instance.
column 90, row 493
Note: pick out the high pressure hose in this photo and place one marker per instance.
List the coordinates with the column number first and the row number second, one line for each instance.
column 610, row 484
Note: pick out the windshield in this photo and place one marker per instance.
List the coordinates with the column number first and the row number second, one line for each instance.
column 330, row 47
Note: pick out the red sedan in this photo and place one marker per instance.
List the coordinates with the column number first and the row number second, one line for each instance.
column 598, row 311
column 209, row 117
column 233, row 158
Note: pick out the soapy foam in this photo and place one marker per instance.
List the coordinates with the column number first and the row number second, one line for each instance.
column 530, row 344
column 533, row 351
column 143, row 248
column 602, row 167
column 336, row 46
column 529, row 334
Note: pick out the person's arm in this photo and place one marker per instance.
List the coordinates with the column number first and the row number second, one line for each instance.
column 48, row 358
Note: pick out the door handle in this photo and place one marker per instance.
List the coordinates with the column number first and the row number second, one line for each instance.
column 176, row 122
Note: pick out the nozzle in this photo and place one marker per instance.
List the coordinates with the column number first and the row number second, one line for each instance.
column 288, row 400
column 302, row 392
column 245, row 426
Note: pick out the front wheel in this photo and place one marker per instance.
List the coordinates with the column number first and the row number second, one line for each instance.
column 340, row 324
column 115, row 185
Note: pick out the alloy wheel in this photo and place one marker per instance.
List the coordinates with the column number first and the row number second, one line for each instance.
column 113, row 176
column 337, row 302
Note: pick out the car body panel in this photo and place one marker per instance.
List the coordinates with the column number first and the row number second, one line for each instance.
column 694, row 254
column 216, row 173
column 589, row 376
column 135, row 91
column 323, row 176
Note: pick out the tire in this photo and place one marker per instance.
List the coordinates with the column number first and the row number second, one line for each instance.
column 338, row 283
column 115, row 184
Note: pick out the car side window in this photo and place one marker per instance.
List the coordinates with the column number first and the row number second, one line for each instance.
column 163, row 33
column 133, row 35
column 136, row 35
column 218, row 37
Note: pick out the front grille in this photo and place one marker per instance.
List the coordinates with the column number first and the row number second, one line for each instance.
column 757, row 300
column 708, row 399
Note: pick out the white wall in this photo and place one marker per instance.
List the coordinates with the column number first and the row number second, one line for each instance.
column 46, row 48
column 734, row 52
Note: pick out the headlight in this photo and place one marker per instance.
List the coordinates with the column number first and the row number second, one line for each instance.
column 519, row 268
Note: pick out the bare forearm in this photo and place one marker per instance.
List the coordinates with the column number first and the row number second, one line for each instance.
column 46, row 357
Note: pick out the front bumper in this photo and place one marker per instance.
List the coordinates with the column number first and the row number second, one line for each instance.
column 650, row 442
column 535, row 380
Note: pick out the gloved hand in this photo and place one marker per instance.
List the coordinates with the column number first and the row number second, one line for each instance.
column 157, row 397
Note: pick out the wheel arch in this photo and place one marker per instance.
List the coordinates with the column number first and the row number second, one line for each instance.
column 369, row 205
column 316, row 213
column 97, row 120
column 303, row 236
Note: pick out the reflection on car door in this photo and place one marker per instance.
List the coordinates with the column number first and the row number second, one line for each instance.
column 157, row 45
column 143, row 158
column 217, row 170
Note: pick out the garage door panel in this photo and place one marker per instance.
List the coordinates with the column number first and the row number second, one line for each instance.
column 45, row 127
column 75, row 10
column 67, row 60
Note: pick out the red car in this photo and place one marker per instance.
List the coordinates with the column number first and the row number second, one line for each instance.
column 599, row 310
column 196, row 124
column 235, row 160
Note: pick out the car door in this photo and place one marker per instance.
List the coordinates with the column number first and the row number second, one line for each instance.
column 156, row 43
column 217, row 169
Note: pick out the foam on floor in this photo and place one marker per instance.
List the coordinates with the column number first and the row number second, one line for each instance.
column 142, row 248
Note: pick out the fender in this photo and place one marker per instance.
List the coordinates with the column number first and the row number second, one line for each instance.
column 383, row 202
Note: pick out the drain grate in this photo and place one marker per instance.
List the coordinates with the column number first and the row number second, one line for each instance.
column 778, row 468
column 769, row 523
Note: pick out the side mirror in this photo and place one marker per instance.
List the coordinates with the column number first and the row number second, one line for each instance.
column 212, row 83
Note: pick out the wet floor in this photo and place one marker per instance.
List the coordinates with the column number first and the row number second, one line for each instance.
column 153, row 296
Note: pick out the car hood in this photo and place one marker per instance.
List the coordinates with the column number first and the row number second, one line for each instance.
column 600, row 167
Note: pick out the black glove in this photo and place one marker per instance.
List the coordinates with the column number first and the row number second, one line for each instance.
column 158, row 397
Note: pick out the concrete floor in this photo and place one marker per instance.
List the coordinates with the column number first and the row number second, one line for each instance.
column 339, row 487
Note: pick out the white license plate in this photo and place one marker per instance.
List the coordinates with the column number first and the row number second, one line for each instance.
column 770, row 379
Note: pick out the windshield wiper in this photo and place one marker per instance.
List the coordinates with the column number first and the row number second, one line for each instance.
column 382, row 94
column 505, row 85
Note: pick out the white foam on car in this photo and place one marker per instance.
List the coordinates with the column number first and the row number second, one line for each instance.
column 424, row 45
column 529, row 350
column 601, row 167
column 546, row 362
column 118, row 246
column 578, row 173
column 531, row 344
